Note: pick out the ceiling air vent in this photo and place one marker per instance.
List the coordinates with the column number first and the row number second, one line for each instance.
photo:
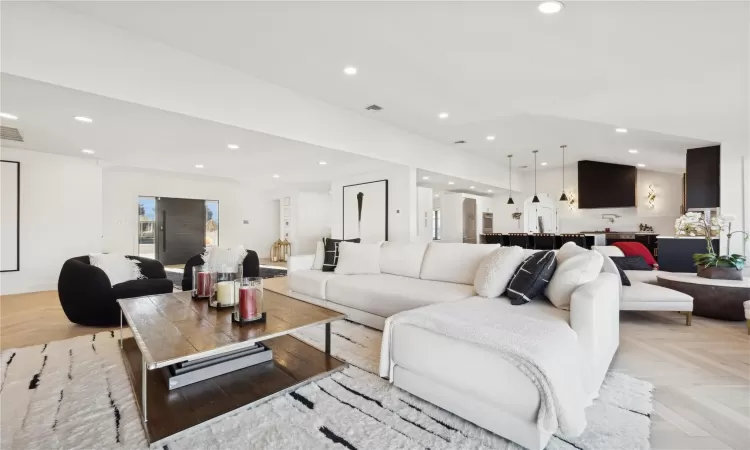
column 11, row 134
column 374, row 108
column 460, row 142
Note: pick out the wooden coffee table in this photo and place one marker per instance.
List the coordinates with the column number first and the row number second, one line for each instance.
column 715, row 299
column 173, row 328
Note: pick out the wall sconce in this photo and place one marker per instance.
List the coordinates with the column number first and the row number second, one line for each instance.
column 651, row 196
column 571, row 200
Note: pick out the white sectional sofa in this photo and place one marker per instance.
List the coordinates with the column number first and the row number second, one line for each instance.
column 644, row 294
column 471, row 381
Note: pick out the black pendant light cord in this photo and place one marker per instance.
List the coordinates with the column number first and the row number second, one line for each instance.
column 563, row 197
column 536, row 197
column 510, row 184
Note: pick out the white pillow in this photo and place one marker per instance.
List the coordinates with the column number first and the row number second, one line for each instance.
column 496, row 270
column 358, row 259
column 570, row 274
column 320, row 255
column 221, row 259
column 118, row 268
column 568, row 250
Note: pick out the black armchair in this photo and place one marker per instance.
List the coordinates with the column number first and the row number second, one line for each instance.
column 88, row 298
column 250, row 268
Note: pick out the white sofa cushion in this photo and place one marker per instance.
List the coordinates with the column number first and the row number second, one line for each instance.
column 454, row 263
column 572, row 272
column 608, row 250
column 496, row 270
column 569, row 250
column 310, row 282
column 358, row 259
column 385, row 295
column 644, row 276
column 644, row 297
column 402, row 259
column 320, row 255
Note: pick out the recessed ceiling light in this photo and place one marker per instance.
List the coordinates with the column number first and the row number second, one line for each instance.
column 544, row 163
column 83, row 119
column 632, row 150
column 450, row 182
column 87, row 151
column 8, row 116
column 550, row 7
column 490, row 138
column 641, row 165
column 489, row 190
column 425, row 178
column 443, row 115
column 233, row 146
column 199, row 166
column 471, row 187
column 437, row 195
column 322, row 163
column 276, row 175
column 621, row 130
column 350, row 70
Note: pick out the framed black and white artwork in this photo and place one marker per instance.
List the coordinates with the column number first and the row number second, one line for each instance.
column 366, row 211
column 10, row 204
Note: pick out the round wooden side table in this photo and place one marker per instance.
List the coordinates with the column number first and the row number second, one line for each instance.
column 716, row 299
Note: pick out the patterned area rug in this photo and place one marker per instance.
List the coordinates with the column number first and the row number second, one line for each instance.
column 74, row 394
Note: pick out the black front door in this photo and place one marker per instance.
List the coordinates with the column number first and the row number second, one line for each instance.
column 181, row 229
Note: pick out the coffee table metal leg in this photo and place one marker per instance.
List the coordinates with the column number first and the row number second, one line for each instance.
column 120, row 329
column 143, row 388
column 328, row 338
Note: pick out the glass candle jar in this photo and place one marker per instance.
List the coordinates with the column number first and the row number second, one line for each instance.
column 223, row 289
column 249, row 305
column 202, row 282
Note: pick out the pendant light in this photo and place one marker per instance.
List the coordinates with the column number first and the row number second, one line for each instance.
column 536, row 198
column 563, row 197
column 510, row 164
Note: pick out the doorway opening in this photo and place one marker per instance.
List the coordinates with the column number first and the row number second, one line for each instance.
column 172, row 230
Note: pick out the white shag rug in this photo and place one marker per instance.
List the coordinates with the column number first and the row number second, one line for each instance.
column 74, row 394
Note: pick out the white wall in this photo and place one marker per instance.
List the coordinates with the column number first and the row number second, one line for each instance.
column 61, row 216
column 668, row 188
column 402, row 201
column 313, row 221
column 424, row 217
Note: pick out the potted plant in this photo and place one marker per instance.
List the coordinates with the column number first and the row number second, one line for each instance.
column 711, row 264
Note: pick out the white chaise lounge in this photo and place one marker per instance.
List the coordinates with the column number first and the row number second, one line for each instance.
column 644, row 294
column 471, row 381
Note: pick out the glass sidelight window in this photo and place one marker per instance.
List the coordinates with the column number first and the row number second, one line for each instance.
column 212, row 222
column 147, row 227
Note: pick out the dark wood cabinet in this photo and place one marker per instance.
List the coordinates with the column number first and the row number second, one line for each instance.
column 676, row 254
column 702, row 186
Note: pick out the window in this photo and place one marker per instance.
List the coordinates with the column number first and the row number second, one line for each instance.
column 436, row 224
column 146, row 227
column 212, row 222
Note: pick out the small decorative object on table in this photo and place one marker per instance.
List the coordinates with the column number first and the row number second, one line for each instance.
column 711, row 265
column 249, row 305
column 202, row 282
column 223, row 296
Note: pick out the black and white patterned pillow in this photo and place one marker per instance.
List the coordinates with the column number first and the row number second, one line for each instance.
column 531, row 277
column 331, row 259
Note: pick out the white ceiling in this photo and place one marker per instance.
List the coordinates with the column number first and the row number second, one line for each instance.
column 439, row 182
column 137, row 136
column 499, row 68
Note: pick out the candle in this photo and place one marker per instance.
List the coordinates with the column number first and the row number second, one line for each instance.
column 224, row 291
column 248, row 304
column 204, row 284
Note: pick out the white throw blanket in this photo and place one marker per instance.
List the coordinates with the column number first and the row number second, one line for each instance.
column 544, row 349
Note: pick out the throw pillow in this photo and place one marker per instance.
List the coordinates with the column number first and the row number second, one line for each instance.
column 223, row 258
column 571, row 274
column 117, row 266
column 332, row 253
column 496, row 270
column 569, row 250
column 636, row 249
column 609, row 266
column 631, row 263
column 358, row 259
column 531, row 277
column 320, row 254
